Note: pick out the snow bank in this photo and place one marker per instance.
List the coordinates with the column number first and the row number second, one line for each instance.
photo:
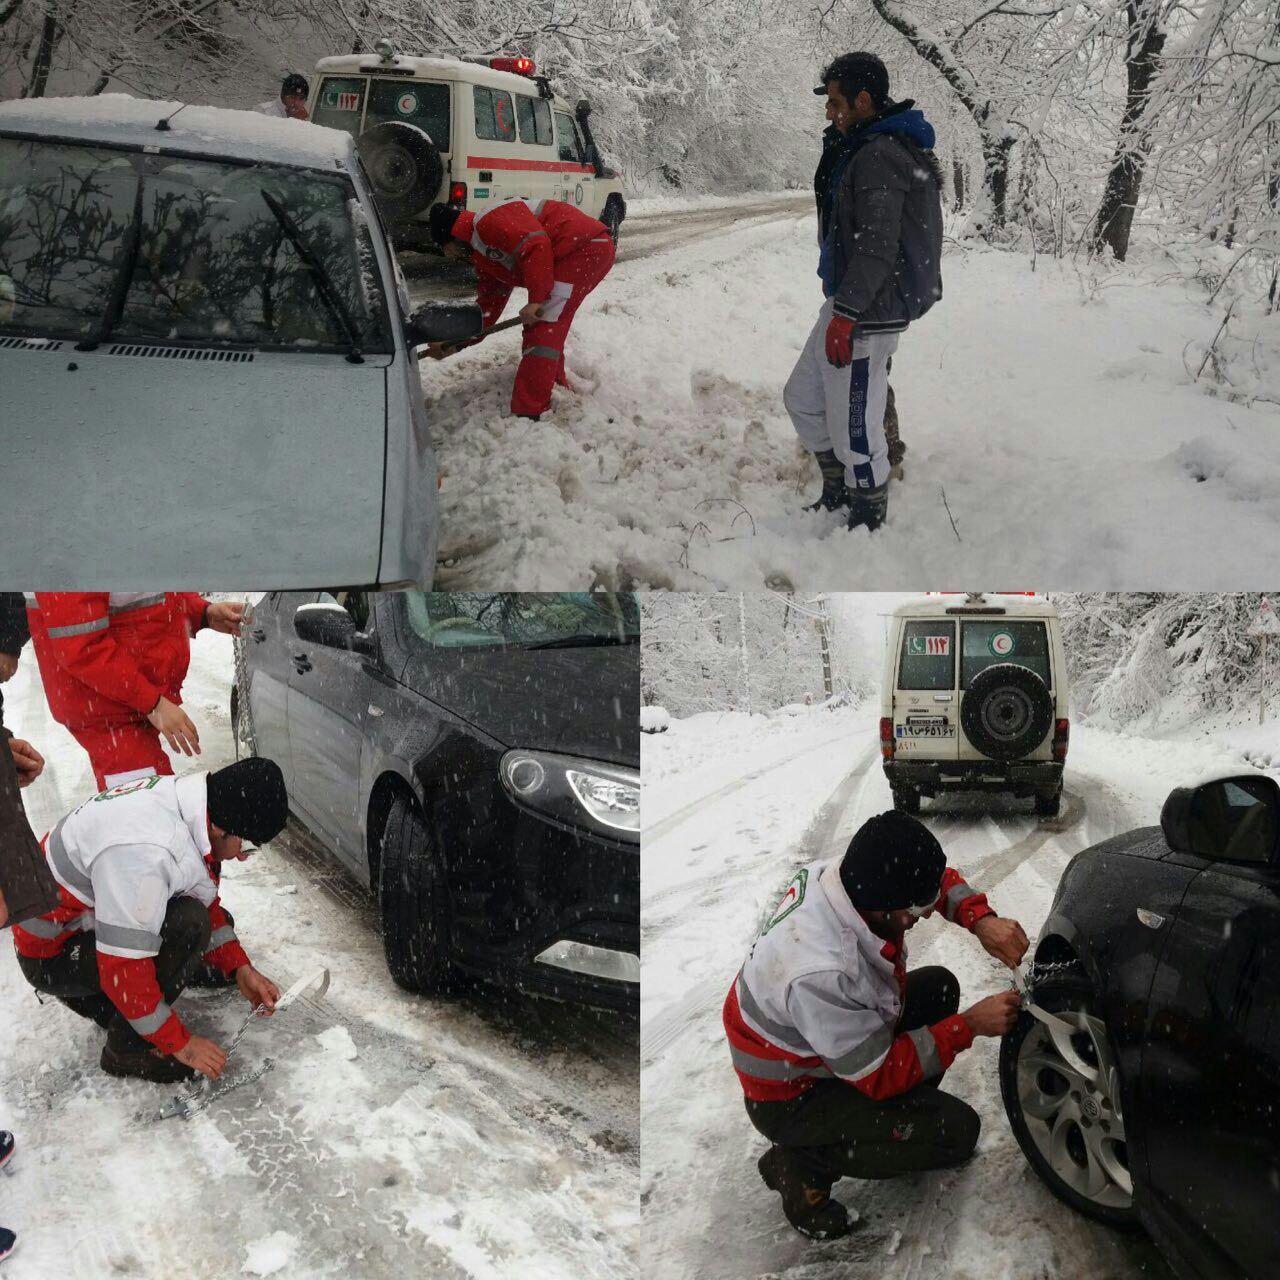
column 270, row 1255
column 654, row 720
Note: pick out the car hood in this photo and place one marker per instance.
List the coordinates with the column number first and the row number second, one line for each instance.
column 580, row 702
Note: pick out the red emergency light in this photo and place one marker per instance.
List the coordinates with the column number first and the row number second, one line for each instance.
column 520, row 66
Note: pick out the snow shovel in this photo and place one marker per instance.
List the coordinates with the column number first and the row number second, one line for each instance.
column 454, row 347
column 202, row 1093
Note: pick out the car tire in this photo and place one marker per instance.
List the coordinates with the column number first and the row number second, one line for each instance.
column 905, row 799
column 1048, row 804
column 404, row 167
column 1024, row 1089
column 612, row 217
column 1007, row 711
column 413, row 903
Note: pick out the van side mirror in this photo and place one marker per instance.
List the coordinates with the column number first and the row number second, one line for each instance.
column 443, row 322
column 332, row 626
column 1229, row 819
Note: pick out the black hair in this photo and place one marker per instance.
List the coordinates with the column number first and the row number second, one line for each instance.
column 854, row 72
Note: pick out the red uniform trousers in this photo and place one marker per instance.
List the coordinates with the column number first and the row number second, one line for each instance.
column 121, row 752
column 542, row 364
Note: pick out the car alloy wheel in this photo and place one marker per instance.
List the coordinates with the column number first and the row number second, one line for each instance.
column 1069, row 1096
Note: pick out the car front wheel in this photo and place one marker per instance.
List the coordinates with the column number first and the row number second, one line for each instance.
column 413, row 903
column 1061, row 1091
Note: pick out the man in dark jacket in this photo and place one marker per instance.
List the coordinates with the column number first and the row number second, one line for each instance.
column 26, row 887
column 880, row 226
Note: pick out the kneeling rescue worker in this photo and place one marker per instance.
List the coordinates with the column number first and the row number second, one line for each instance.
column 555, row 252
column 138, row 908
column 838, row 1048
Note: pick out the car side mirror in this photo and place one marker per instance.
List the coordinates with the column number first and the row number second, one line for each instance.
column 443, row 322
column 333, row 627
column 1229, row 819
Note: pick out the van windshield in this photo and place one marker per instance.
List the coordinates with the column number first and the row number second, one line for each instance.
column 1025, row 644
column 569, row 619
column 173, row 249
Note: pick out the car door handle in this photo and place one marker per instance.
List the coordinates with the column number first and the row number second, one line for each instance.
column 1149, row 918
column 302, row 664
column 375, row 711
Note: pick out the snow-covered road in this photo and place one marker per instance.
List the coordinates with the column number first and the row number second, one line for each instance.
column 1054, row 431
column 733, row 805
column 396, row 1136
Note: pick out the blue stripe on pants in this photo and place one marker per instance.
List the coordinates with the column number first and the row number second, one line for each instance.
column 859, row 374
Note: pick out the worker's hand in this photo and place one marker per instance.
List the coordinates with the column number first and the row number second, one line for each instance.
column 26, row 760
column 995, row 1015
column 531, row 313
column 296, row 109
column 4, row 911
column 202, row 1055
column 840, row 341
column 257, row 989
column 441, row 350
column 8, row 666
column 176, row 727
column 1003, row 939
column 225, row 617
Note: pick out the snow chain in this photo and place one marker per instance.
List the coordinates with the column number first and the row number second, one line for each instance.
column 243, row 727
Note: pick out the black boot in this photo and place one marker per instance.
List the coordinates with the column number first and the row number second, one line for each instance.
column 868, row 508
column 145, row 1063
column 834, row 494
column 810, row 1210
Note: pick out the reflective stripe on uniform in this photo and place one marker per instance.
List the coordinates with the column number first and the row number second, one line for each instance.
column 547, row 353
column 67, row 875
column 79, row 628
column 926, row 1051
column 143, row 602
column 150, row 1023
column 220, row 937
column 772, row 1030
column 30, row 598
column 955, row 896
column 41, row 928
column 115, row 935
column 532, row 235
column 773, row 1068
column 859, row 1061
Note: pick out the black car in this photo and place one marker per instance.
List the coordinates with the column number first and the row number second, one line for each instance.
column 472, row 758
column 1158, row 1102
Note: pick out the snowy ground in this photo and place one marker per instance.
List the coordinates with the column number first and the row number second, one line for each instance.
column 1051, row 408
column 733, row 804
column 395, row 1137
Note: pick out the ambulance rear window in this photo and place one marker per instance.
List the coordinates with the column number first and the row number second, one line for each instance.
column 411, row 102
column 535, row 121
column 340, row 103
column 928, row 658
column 1025, row 644
column 495, row 116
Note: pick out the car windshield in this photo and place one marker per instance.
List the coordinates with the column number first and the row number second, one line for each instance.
column 172, row 249
column 1025, row 644
column 472, row 619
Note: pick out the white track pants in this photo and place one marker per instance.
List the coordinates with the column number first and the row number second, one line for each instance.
column 843, row 409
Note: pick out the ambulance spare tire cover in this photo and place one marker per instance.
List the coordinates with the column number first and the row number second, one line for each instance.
column 1006, row 711
column 403, row 165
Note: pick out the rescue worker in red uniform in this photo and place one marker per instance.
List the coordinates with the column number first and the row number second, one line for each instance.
column 137, row 908
column 839, row 1050
column 112, row 664
column 550, row 249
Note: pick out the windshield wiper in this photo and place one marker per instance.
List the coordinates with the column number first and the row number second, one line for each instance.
column 585, row 640
column 324, row 282
column 123, row 282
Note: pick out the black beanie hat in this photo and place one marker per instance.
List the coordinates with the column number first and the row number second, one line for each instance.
column 248, row 799
column 893, row 862
column 294, row 84
column 441, row 220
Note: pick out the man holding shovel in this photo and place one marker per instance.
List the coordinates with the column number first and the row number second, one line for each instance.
column 555, row 252
column 138, row 908
column 838, row 1048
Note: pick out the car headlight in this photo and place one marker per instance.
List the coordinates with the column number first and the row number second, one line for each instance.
column 604, row 797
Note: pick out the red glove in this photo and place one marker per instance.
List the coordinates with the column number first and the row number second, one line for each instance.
column 840, row 341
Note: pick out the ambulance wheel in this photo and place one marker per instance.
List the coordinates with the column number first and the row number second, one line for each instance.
column 612, row 216
column 413, row 903
column 1007, row 711
column 404, row 167
column 905, row 800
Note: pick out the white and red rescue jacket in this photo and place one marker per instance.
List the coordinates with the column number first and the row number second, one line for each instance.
column 518, row 242
column 820, row 996
column 107, row 657
column 118, row 860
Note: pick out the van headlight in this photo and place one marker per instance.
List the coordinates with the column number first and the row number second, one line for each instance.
column 604, row 797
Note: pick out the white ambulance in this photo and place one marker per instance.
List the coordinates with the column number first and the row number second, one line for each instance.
column 469, row 132
column 974, row 698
